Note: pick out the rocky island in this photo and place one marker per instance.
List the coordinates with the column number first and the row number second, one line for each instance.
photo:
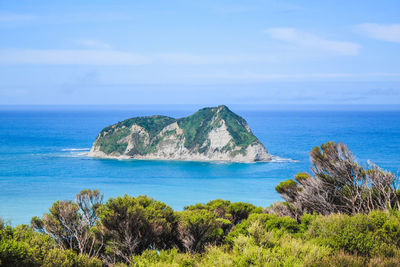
column 210, row 134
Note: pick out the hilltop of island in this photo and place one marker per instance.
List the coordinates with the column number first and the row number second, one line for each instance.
column 210, row 134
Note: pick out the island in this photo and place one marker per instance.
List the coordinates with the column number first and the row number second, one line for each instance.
column 210, row 134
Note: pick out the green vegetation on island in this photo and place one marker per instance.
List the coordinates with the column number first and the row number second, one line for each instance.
column 342, row 214
column 111, row 135
column 197, row 126
column 213, row 133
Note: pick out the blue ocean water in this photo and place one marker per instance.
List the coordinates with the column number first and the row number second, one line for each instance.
column 42, row 156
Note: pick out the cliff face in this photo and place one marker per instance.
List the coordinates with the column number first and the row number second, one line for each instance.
column 210, row 134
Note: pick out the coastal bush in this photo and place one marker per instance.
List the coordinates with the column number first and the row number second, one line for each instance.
column 199, row 228
column 60, row 257
column 339, row 185
column 350, row 260
column 376, row 233
column 131, row 225
column 246, row 251
column 140, row 231
column 72, row 224
column 170, row 257
column 22, row 246
column 234, row 212
column 264, row 248
column 269, row 222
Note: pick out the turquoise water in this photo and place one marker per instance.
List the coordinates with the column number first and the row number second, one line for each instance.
column 42, row 156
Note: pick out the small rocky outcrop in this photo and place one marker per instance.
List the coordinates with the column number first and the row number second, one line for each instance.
column 210, row 134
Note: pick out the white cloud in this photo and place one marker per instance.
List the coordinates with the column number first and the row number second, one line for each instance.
column 249, row 76
column 204, row 59
column 304, row 39
column 114, row 57
column 384, row 32
column 91, row 43
column 10, row 17
column 71, row 57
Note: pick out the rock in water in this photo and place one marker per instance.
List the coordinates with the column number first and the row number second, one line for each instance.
column 210, row 134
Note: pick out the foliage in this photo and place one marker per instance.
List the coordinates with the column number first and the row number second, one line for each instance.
column 21, row 246
column 343, row 215
column 247, row 250
column 210, row 118
column 132, row 225
column 270, row 222
column 72, row 224
column 351, row 260
column 170, row 257
column 339, row 185
column 199, row 228
column 376, row 233
column 237, row 127
column 234, row 212
column 196, row 128
column 109, row 141
column 152, row 124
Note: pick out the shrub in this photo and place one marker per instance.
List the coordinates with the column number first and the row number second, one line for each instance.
column 21, row 246
column 144, row 232
column 339, row 185
column 72, row 224
column 132, row 225
column 270, row 222
column 169, row 257
column 234, row 212
column 374, row 234
column 199, row 228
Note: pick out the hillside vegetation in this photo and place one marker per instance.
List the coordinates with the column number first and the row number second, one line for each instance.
column 196, row 133
column 214, row 133
column 342, row 214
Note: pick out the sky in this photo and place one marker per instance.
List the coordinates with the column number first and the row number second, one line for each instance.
column 253, row 52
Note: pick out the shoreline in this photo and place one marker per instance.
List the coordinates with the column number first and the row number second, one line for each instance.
column 101, row 155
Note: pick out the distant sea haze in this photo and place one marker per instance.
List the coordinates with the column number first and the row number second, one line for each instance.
column 43, row 154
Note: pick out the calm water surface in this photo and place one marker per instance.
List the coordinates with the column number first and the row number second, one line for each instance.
column 42, row 156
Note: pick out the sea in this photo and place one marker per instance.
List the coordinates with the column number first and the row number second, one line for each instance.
column 43, row 154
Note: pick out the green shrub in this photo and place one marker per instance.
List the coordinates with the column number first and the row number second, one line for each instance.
column 199, row 228
column 132, row 225
column 377, row 233
column 232, row 211
column 339, row 185
column 144, row 232
column 21, row 246
column 343, row 260
column 163, row 258
column 270, row 222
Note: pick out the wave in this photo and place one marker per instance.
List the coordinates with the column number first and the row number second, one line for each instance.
column 73, row 155
column 73, row 152
column 279, row 159
column 75, row 149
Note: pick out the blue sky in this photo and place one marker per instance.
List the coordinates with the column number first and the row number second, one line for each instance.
column 200, row 52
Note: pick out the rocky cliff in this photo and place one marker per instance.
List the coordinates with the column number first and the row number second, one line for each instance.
column 210, row 134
